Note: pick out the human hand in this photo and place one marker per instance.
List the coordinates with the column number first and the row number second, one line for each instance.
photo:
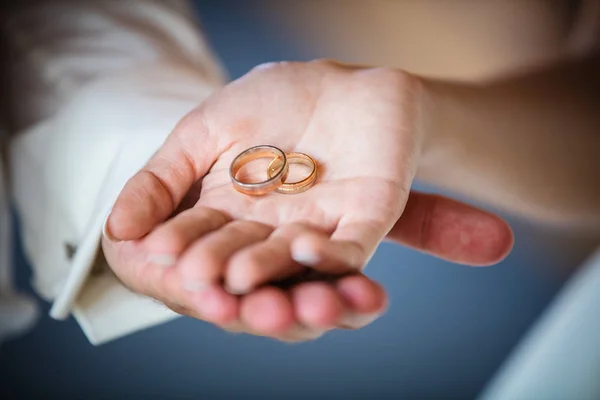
column 362, row 126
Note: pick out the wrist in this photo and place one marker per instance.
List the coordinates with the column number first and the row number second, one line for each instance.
column 441, row 124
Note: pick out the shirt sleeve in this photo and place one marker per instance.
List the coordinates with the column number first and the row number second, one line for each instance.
column 96, row 87
column 559, row 358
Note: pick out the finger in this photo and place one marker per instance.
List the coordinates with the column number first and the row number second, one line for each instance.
column 297, row 333
column 170, row 239
column 163, row 284
column 203, row 263
column 364, row 300
column 131, row 265
column 348, row 249
column 267, row 311
column 361, row 294
column 143, row 263
column 317, row 305
column 154, row 193
column 214, row 305
column 452, row 230
column 220, row 309
column 264, row 261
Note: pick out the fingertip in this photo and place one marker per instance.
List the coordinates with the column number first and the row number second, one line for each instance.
column 481, row 239
column 317, row 305
column 453, row 230
column 125, row 225
column 144, row 202
column 362, row 295
column 106, row 231
column 240, row 272
column 326, row 255
column 353, row 320
column 267, row 311
column 305, row 249
column 215, row 305
column 497, row 243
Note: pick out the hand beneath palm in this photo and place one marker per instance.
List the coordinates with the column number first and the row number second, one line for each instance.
column 362, row 127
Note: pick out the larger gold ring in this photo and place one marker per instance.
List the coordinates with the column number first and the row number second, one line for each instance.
column 295, row 187
column 274, row 180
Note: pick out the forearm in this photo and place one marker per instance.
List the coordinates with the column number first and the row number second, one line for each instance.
column 530, row 145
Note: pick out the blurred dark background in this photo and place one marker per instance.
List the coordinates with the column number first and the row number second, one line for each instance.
column 447, row 331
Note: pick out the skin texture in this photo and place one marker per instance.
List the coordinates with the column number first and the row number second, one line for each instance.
column 289, row 266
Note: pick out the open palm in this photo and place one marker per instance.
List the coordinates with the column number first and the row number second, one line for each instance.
column 221, row 247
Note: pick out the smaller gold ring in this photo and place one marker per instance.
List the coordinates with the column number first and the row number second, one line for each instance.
column 273, row 181
column 295, row 187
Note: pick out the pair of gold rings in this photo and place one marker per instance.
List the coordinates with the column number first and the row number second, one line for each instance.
column 277, row 171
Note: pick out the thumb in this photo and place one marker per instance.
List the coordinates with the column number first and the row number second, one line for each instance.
column 452, row 230
column 154, row 193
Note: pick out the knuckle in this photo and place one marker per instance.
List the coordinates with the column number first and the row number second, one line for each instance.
column 267, row 66
column 395, row 81
column 272, row 67
column 326, row 62
column 388, row 75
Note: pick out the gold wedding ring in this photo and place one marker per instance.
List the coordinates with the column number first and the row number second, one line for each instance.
column 294, row 187
column 277, row 171
column 274, row 179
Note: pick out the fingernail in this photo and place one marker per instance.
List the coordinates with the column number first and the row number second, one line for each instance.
column 356, row 320
column 304, row 333
column 304, row 258
column 236, row 291
column 299, row 333
column 196, row 286
column 163, row 260
column 234, row 327
column 105, row 232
